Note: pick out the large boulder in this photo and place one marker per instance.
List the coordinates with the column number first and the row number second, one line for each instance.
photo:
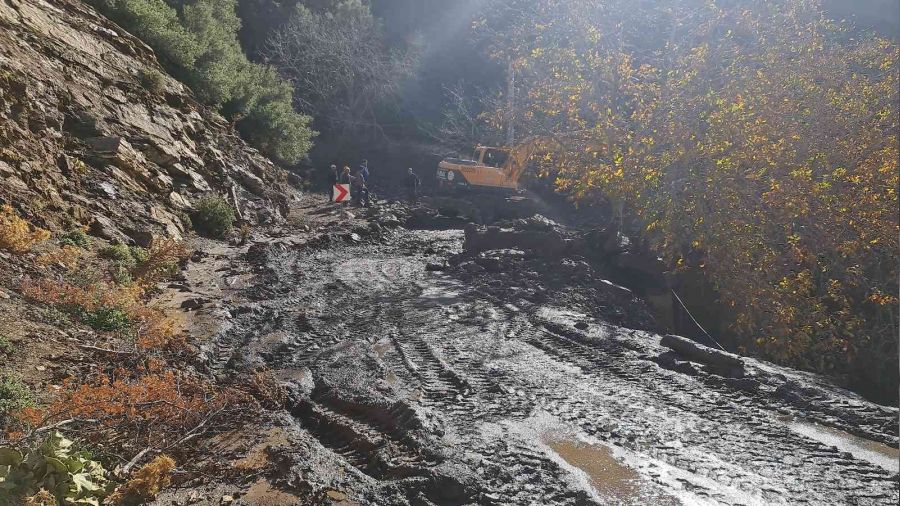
column 721, row 362
column 537, row 235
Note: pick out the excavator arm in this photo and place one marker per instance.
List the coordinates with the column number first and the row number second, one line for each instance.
column 520, row 154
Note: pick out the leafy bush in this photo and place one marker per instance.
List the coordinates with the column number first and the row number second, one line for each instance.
column 104, row 318
column 16, row 234
column 101, row 306
column 153, row 81
column 14, row 395
column 118, row 252
column 75, row 237
column 213, row 217
column 139, row 254
column 197, row 42
column 123, row 262
column 70, row 476
column 120, row 274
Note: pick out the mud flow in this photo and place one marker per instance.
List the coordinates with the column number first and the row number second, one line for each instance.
column 416, row 378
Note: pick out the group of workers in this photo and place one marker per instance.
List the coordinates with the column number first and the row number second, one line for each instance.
column 359, row 183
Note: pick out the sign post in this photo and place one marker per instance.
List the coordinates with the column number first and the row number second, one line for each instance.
column 341, row 192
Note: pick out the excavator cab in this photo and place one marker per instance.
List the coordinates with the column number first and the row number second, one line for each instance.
column 492, row 157
column 491, row 168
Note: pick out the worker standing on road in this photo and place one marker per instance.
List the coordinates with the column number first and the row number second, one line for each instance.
column 345, row 175
column 412, row 183
column 333, row 178
column 358, row 189
column 364, row 171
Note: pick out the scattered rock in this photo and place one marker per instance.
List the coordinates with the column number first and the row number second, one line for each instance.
column 699, row 353
column 194, row 303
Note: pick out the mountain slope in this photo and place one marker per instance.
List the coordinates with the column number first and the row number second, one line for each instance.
column 93, row 133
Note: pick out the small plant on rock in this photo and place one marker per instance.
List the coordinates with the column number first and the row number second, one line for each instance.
column 14, row 395
column 75, row 237
column 66, row 256
column 159, row 262
column 117, row 252
column 6, row 347
column 214, row 217
column 16, row 234
column 153, row 81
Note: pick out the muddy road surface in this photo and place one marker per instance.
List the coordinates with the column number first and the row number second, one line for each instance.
column 516, row 379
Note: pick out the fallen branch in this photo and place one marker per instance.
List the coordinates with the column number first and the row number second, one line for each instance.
column 105, row 350
column 131, row 463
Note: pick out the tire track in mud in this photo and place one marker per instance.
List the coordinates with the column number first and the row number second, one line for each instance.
column 377, row 452
column 478, row 362
column 742, row 434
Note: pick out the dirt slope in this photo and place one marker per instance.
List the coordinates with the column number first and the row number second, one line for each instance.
column 87, row 138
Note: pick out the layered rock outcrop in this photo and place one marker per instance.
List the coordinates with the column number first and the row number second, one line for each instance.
column 94, row 133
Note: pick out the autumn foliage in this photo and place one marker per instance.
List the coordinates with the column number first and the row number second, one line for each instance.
column 146, row 483
column 16, row 234
column 754, row 143
column 158, row 408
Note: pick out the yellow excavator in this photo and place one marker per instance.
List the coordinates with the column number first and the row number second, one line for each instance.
column 491, row 168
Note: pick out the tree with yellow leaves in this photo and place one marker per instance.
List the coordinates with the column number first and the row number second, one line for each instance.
column 754, row 142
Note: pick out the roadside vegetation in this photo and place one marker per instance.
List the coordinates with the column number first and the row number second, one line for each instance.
column 213, row 217
column 755, row 147
column 197, row 42
column 138, row 400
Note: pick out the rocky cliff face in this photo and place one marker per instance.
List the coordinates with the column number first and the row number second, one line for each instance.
column 93, row 133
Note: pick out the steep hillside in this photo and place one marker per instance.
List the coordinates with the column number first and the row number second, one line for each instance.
column 93, row 133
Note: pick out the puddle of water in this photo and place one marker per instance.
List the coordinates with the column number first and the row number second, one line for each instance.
column 262, row 493
column 613, row 481
column 381, row 348
column 864, row 449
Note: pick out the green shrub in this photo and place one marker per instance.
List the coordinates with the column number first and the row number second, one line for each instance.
column 153, row 81
column 213, row 217
column 70, row 476
column 6, row 347
column 75, row 237
column 125, row 260
column 117, row 252
column 139, row 254
column 106, row 318
column 199, row 45
column 120, row 273
column 14, row 395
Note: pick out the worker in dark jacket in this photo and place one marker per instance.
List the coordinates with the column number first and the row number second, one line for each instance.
column 412, row 182
column 333, row 178
column 358, row 189
column 364, row 171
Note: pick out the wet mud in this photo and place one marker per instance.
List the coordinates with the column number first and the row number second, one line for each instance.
column 416, row 378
